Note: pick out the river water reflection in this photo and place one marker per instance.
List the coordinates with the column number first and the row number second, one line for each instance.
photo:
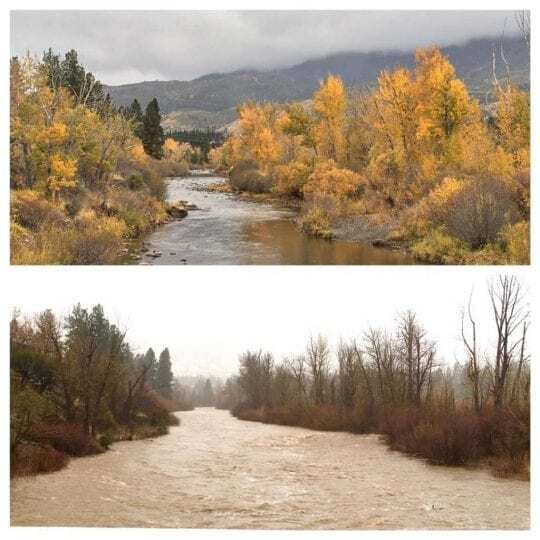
column 229, row 230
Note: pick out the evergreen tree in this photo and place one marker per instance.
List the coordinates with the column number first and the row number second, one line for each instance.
column 71, row 75
column 164, row 376
column 135, row 113
column 150, row 361
column 152, row 133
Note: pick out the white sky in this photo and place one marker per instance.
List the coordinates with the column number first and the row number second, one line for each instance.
column 130, row 46
column 208, row 315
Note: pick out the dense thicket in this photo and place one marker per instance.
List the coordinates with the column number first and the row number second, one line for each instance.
column 76, row 386
column 391, row 381
column 81, row 183
column 415, row 157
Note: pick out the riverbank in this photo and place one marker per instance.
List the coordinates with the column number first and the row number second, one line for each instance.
column 50, row 447
column 377, row 230
column 92, row 226
column 261, row 476
column 494, row 440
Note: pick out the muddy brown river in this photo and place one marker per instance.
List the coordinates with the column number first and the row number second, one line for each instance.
column 214, row 471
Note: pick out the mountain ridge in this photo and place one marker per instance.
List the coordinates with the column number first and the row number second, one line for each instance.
column 210, row 100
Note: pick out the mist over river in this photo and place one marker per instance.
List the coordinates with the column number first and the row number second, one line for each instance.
column 214, row 471
column 229, row 230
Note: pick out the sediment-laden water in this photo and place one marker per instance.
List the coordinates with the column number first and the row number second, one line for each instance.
column 219, row 472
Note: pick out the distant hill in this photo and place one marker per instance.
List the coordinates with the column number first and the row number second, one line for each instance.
column 211, row 100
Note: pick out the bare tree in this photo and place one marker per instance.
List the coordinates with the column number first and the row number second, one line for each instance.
column 349, row 371
column 523, row 21
column 381, row 350
column 298, row 367
column 510, row 314
column 318, row 354
column 417, row 356
column 473, row 368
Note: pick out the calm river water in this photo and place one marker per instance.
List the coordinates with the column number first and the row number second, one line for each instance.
column 228, row 230
column 219, row 472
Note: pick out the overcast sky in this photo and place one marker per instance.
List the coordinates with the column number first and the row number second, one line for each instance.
column 122, row 47
column 208, row 316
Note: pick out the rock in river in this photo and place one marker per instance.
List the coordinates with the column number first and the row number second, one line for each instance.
column 177, row 210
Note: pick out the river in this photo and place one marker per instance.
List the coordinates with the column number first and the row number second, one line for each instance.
column 214, row 471
column 231, row 230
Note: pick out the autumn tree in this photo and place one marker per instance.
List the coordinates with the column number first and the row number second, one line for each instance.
column 329, row 105
column 257, row 137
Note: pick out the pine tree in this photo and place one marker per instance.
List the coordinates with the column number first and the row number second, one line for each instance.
column 136, row 115
column 164, row 376
column 150, row 362
column 152, row 133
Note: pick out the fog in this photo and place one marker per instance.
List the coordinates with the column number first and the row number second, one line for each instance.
column 207, row 316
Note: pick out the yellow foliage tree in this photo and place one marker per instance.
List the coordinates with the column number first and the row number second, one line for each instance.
column 444, row 103
column 62, row 175
column 330, row 105
column 258, row 139
column 513, row 118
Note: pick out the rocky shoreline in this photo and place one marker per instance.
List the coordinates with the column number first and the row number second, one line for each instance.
column 361, row 229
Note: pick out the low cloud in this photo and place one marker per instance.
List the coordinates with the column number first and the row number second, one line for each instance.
column 130, row 46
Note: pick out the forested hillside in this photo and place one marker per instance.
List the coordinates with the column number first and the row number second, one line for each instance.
column 210, row 100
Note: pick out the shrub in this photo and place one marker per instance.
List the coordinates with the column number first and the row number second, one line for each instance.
column 442, row 437
column 328, row 180
column 246, row 177
column 438, row 247
column 31, row 210
column 516, row 239
column 291, row 178
column 91, row 241
column 67, row 438
column 35, row 459
column 316, row 222
column 135, row 181
column 474, row 210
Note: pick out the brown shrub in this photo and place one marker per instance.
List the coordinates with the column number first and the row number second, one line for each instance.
column 246, row 177
column 35, row 459
column 67, row 438
column 31, row 210
column 474, row 210
column 442, row 436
